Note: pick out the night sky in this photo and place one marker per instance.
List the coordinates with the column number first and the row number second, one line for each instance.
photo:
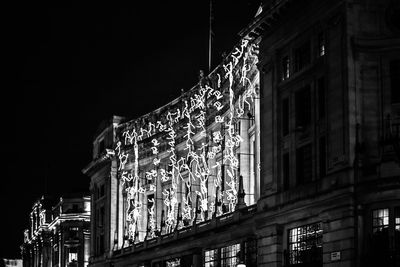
column 71, row 68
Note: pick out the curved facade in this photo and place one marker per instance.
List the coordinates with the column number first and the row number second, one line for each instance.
column 287, row 154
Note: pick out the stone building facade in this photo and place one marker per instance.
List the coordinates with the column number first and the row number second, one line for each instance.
column 59, row 234
column 298, row 164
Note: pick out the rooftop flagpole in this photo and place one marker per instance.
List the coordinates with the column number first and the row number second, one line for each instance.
column 210, row 39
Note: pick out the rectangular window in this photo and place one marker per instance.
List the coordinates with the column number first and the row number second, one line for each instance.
column 237, row 127
column 321, row 97
column 380, row 220
column 102, row 190
column 101, row 245
column 251, row 114
column 101, row 147
column 285, row 67
column 285, row 171
column 285, row 116
column 73, row 232
column 322, row 157
column 250, row 248
column 302, row 56
column 380, row 244
column 176, row 262
column 395, row 80
column 305, row 245
column 211, row 258
column 73, row 254
column 303, row 108
column 230, row 255
column 304, row 164
column 321, row 44
column 102, row 216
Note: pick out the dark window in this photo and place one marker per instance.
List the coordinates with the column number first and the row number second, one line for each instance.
column 102, row 190
column 302, row 56
column 321, row 97
column 101, row 245
column 395, row 80
column 321, row 44
column 73, row 232
column 101, row 147
column 285, row 67
column 285, row 116
column 303, row 108
column 251, row 252
column 304, row 164
column 322, row 156
column 102, row 216
column 285, row 171
column 305, row 245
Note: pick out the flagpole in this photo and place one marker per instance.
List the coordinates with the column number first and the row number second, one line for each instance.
column 210, row 39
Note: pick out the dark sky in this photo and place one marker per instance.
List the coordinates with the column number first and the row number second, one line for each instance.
column 71, row 68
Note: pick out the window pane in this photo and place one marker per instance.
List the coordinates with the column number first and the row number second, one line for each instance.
column 230, row 255
column 304, row 164
column 305, row 245
column 302, row 56
column 211, row 258
column 285, row 171
column 303, row 107
column 380, row 219
column 321, row 97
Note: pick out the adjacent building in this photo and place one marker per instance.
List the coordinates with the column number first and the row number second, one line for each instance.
column 287, row 154
column 59, row 234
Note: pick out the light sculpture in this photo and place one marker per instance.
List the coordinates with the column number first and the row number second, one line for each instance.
column 202, row 155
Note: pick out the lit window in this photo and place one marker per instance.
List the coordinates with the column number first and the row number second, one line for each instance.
column 380, row 220
column 174, row 262
column 285, row 67
column 305, row 244
column 230, row 255
column 73, row 254
column 211, row 258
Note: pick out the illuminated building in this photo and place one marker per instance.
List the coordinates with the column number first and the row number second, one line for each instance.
column 187, row 185
column 181, row 171
column 59, row 235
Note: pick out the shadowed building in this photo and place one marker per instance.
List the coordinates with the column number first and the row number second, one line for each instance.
column 287, row 154
column 60, row 234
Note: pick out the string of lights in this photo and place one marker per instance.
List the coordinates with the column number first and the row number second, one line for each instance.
column 190, row 157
